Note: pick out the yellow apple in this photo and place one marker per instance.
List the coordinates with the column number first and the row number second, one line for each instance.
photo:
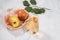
column 14, row 21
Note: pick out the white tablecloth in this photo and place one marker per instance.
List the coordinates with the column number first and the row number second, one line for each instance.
column 49, row 22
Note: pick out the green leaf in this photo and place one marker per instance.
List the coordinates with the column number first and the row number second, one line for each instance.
column 38, row 11
column 26, row 3
column 28, row 9
column 33, row 2
column 42, row 10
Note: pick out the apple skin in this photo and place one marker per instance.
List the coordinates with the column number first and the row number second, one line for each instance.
column 22, row 14
column 14, row 21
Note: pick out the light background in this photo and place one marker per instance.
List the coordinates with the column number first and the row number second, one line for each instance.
column 49, row 22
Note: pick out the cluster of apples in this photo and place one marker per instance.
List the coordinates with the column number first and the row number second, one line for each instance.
column 16, row 21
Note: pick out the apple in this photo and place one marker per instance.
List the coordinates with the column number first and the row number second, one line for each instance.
column 14, row 21
column 22, row 14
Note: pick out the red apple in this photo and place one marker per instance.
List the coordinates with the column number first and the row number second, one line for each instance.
column 22, row 14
